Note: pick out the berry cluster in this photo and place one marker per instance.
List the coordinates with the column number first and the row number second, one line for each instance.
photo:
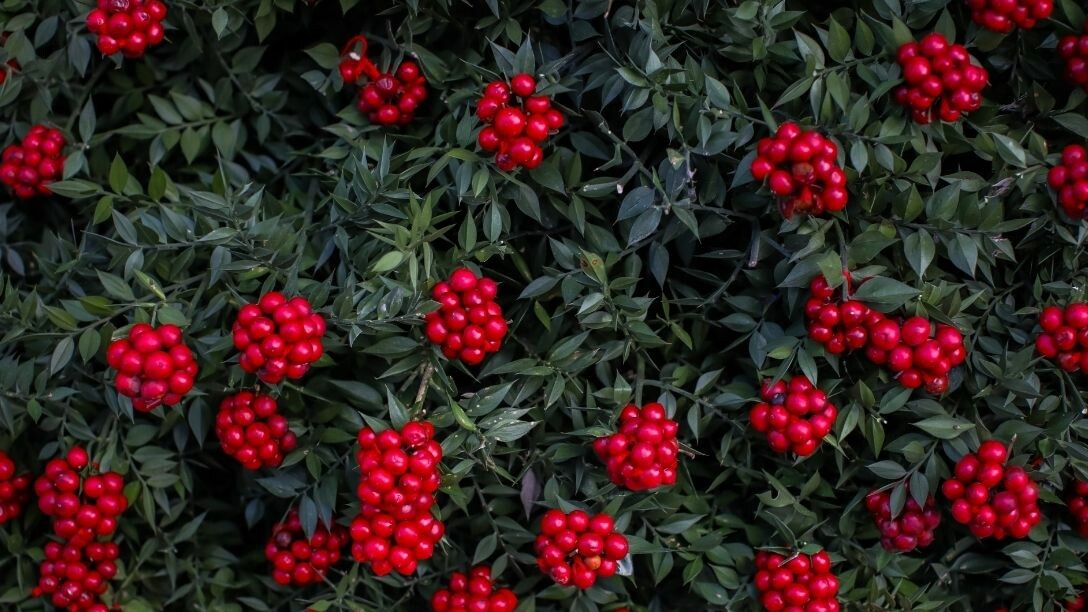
column 1069, row 179
column 127, row 26
column 801, row 582
column 1011, row 511
column 794, row 414
column 76, row 570
column 279, row 338
column 300, row 561
column 388, row 98
column 475, row 592
column 1074, row 50
column 1065, row 336
column 14, row 490
column 251, row 429
column 801, row 167
column 154, row 366
column 642, row 455
column 1078, row 507
column 935, row 68
column 912, row 528
column 392, row 98
column 839, row 326
column 1005, row 15
column 396, row 529
column 27, row 168
column 922, row 355
column 515, row 130
column 470, row 323
column 576, row 548
column 1078, row 603
column 914, row 350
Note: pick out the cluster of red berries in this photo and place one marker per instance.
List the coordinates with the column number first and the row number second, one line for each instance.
column 576, row 548
column 1074, row 50
column 642, row 455
column 801, row 167
column 795, row 415
column 935, row 68
column 1078, row 507
column 76, row 570
column 800, row 582
column 912, row 528
column 154, row 366
column 917, row 352
column 1065, row 336
column 1011, row 511
column 470, row 324
column 1005, row 15
column 1078, row 603
column 14, row 490
column 251, row 429
column 396, row 529
column 473, row 593
column 279, row 338
column 388, row 98
column 27, row 168
column 515, row 131
column 1069, row 179
column 127, row 26
column 298, row 560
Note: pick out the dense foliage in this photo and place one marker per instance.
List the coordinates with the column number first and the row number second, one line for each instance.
column 638, row 263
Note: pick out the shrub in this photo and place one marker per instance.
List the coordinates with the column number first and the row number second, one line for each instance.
column 638, row 262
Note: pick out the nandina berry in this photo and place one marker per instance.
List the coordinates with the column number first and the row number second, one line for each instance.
column 154, row 366
column 911, row 528
column 794, row 414
column 1069, row 180
column 1064, row 336
column 473, row 593
column 797, row 582
column 939, row 76
column 1077, row 499
column 515, row 130
column 992, row 499
column 642, row 455
column 299, row 560
column 77, row 568
column 29, row 167
column 127, row 27
column 14, row 489
column 279, row 338
column 1074, row 50
column 915, row 351
column 392, row 98
column 576, row 548
column 1005, row 15
column 801, row 168
column 469, row 323
column 395, row 529
column 251, row 430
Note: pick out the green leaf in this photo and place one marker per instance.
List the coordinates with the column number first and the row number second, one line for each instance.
column 62, row 354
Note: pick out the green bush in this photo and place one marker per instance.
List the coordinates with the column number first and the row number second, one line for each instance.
column 639, row 263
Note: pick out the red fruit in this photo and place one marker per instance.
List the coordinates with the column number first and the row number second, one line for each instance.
column 992, row 451
column 915, row 331
column 509, row 122
column 289, row 335
column 638, row 462
column 523, row 85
